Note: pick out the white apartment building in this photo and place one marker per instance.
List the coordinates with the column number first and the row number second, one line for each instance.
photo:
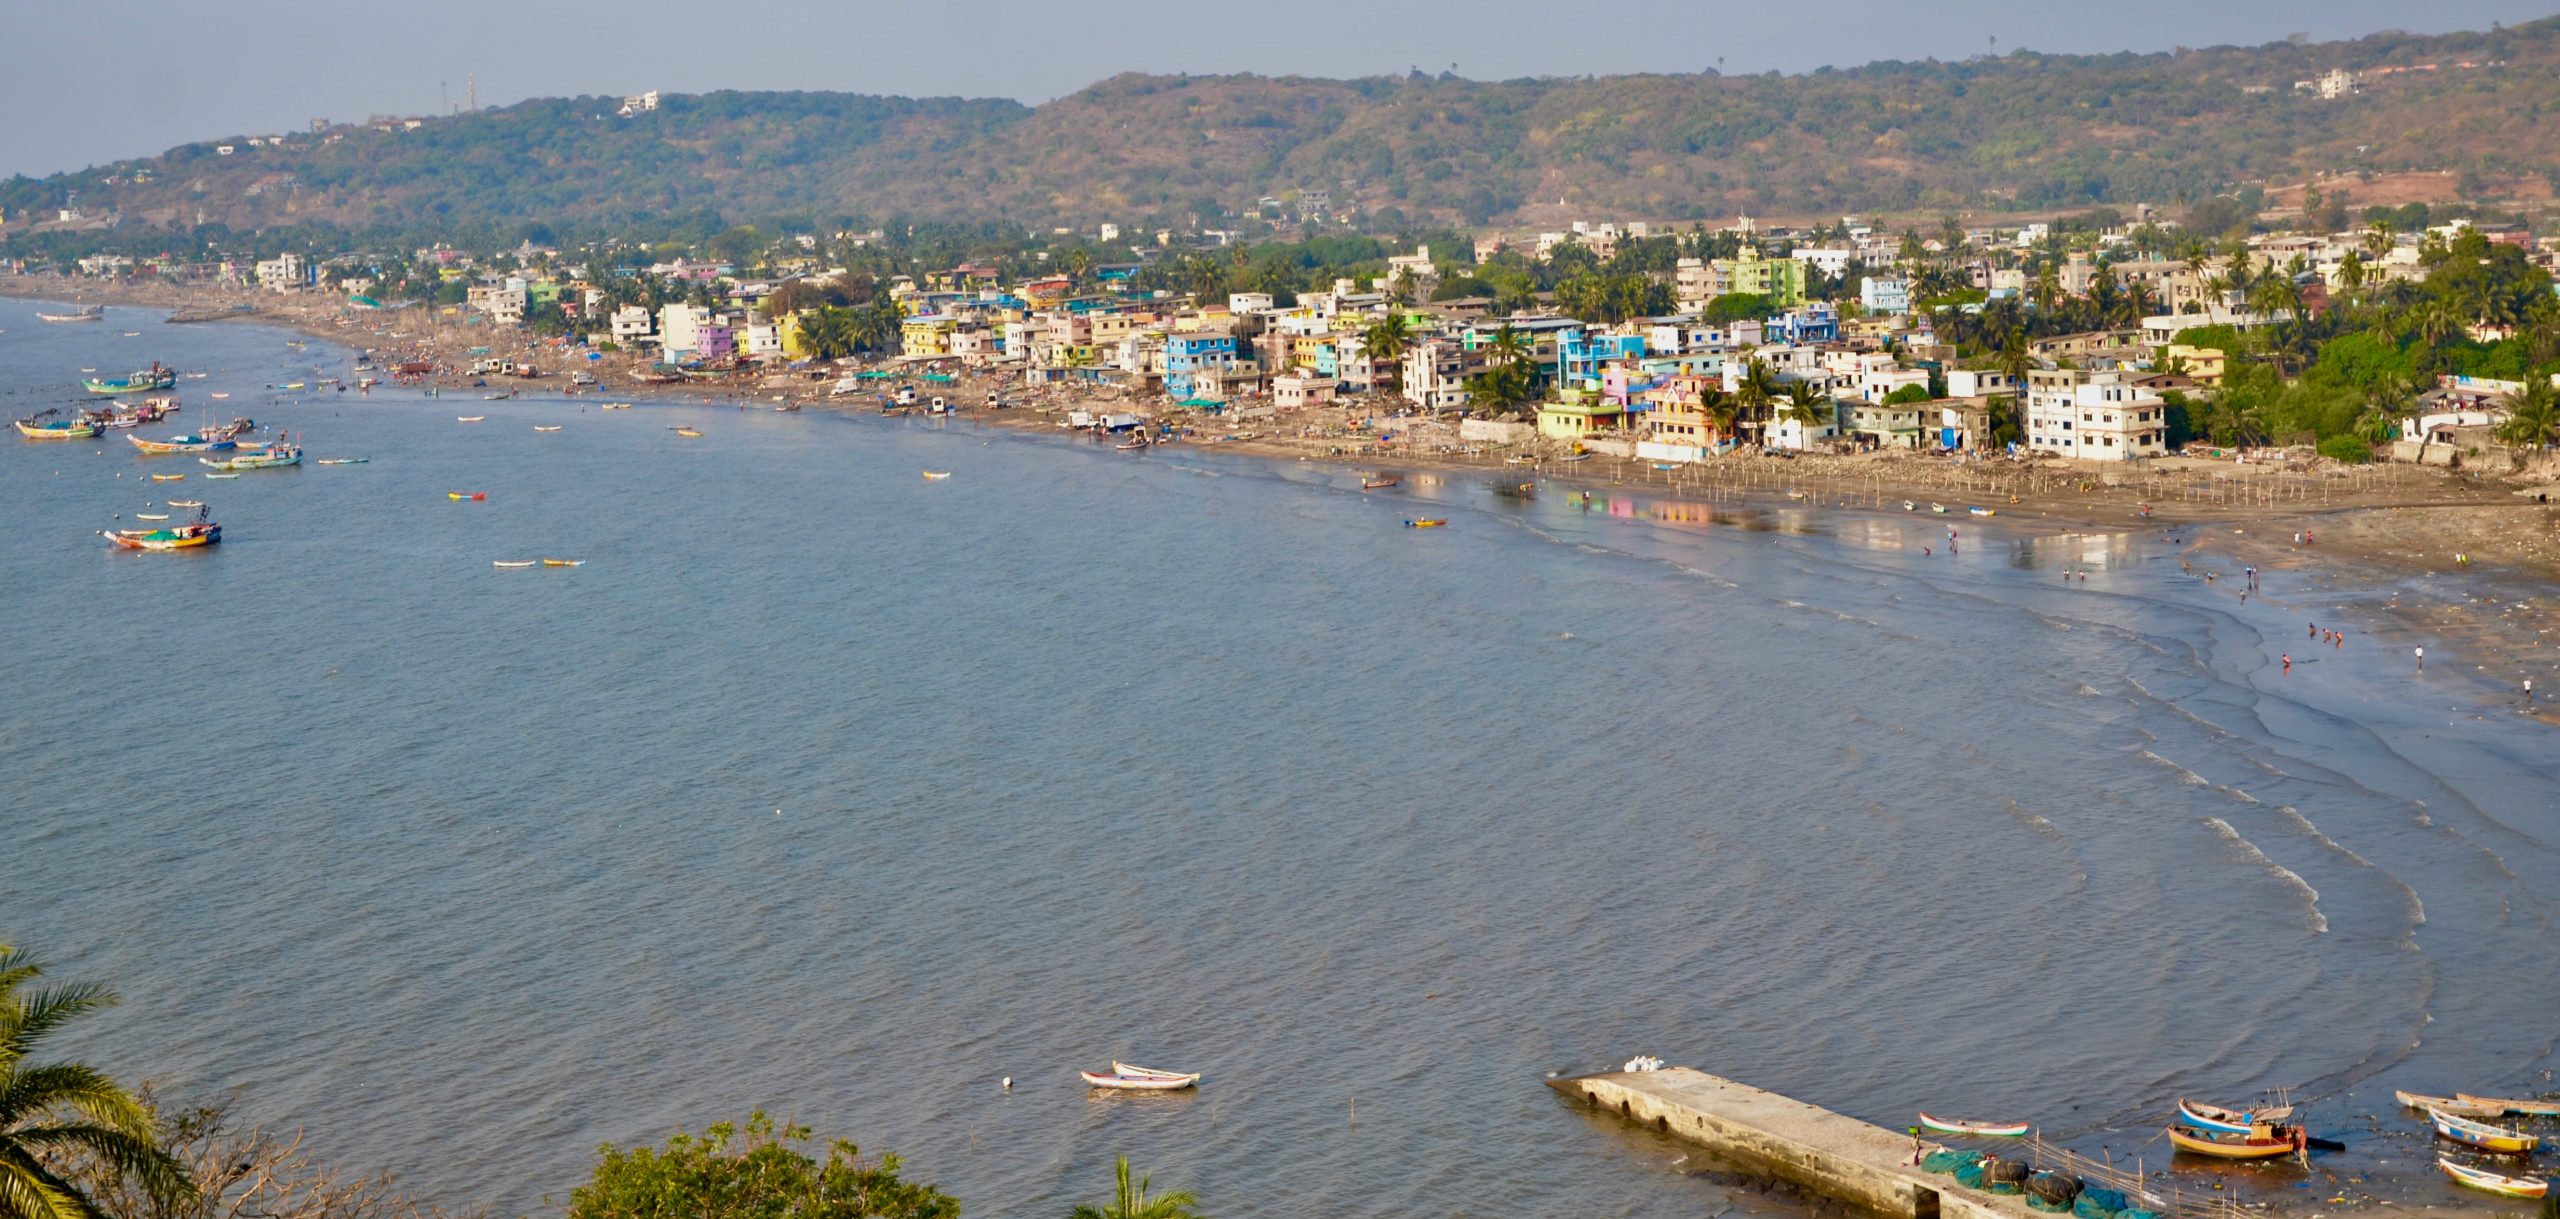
column 2093, row 416
column 284, row 273
column 1436, row 372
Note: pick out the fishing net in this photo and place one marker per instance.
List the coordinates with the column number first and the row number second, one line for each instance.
column 2047, row 1205
column 2007, row 1172
column 2056, row 1188
column 1946, row 1162
column 1969, row 1175
column 2096, row 1203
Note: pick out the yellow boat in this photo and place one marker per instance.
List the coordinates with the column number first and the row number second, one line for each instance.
column 564, row 562
column 168, row 478
column 935, row 476
column 65, row 430
column 688, row 433
column 2499, row 1139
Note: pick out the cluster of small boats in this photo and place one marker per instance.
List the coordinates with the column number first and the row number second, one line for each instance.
column 2464, row 1119
column 2238, row 1134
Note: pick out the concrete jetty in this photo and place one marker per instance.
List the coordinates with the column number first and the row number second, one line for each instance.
column 1840, row 1157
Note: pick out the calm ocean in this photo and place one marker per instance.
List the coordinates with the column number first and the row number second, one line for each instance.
column 830, row 790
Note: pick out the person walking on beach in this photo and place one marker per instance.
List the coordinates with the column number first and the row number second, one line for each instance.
column 2422, row 658
column 2288, row 662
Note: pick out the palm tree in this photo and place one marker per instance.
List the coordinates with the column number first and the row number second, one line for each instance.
column 1721, row 411
column 1385, row 342
column 1508, row 346
column 1754, row 393
column 1809, row 408
column 2533, row 419
column 1131, row 1201
column 54, row 1113
column 2377, row 238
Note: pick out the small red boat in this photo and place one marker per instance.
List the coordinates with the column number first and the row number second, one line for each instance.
column 463, row 495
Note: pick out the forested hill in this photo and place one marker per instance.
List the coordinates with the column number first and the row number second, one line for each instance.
column 2023, row 131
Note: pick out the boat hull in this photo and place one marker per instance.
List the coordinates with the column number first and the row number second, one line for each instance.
column 187, row 537
column 2481, row 1136
column 2494, row 1106
column 2228, row 1121
column 1996, row 1130
column 2496, row 1183
column 38, row 431
column 2226, row 1146
column 2447, row 1104
column 1138, row 1083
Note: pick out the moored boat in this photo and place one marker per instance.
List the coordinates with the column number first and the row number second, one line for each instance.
column 935, row 476
column 469, row 418
column 564, row 562
column 267, row 457
column 2495, row 1106
column 86, row 313
column 1137, row 1083
column 342, row 461
column 151, row 516
column 1372, row 484
column 1133, row 1069
column 1982, row 511
column 2002, row 1130
column 192, row 442
column 1428, row 522
column 2496, row 1183
column 141, row 380
column 539, row 428
column 55, row 429
column 168, row 478
column 184, row 503
column 182, row 537
column 2456, row 1107
column 466, row 495
column 689, row 433
column 2483, row 1136
column 2229, row 1121
column 2265, row 1143
column 511, row 563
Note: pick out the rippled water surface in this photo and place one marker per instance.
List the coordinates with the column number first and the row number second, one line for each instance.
column 830, row 790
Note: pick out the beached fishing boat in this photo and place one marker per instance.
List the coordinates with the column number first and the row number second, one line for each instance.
column 2458, row 1108
column 1940, row 509
column 192, row 442
column 1372, row 484
column 1127, row 445
column 2229, row 1121
column 139, row 381
column 55, row 429
column 2500, row 1139
column 1982, row 511
column 267, row 457
column 564, row 562
column 2225, row 1145
column 2495, row 1106
column 2496, row 1183
column 2002, row 1130
column 511, row 563
column 1151, row 1082
column 183, row 537
column 86, row 313
column 1908, row 506
column 1999, row 1130
column 1428, row 522
column 466, row 495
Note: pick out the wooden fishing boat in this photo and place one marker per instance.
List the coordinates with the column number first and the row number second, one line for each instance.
column 2482, row 1135
column 564, row 562
column 1982, row 511
column 2265, row 1143
column 183, row 537
column 221, row 475
column 192, row 442
column 689, row 433
column 2506, row 1186
column 539, row 428
column 218, row 395
column 2001, row 1130
column 2458, row 1108
column 342, row 461
column 2495, row 1106
column 86, row 313
column 136, row 382
column 267, row 457
column 511, row 563
column 1908, row 506
column 463, row 495
column 1126, row 445
column 1940, row 509
column 1428, row 522
column 1372, row 484
column 151, row 516
column 469, row 418
column 168, row 478
column 935, row 476
column 2229, row 1121
column 1138, row 1083
column 56, row 429
column 184, row 503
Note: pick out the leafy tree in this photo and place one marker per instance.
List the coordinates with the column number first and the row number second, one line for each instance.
column 55, row 1114
column 1131, row 1201
column 2533, row 419
column 758, row 1171
column 2350, row 449
column 1908, row 393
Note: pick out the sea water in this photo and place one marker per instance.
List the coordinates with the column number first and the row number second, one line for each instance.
column 829, row 790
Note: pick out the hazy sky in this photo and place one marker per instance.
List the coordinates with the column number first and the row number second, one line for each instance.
column 95, row 80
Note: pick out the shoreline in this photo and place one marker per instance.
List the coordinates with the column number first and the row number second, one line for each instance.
column 2385, row 536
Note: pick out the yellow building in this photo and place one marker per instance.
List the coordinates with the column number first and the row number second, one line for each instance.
column 2204, row 365
column 1779, row 279
column 1577, row 420
column 925, row 336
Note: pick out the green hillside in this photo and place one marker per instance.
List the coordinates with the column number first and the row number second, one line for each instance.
column 2023, row 132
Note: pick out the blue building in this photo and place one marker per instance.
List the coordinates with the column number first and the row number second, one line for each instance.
column 1187, row 354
